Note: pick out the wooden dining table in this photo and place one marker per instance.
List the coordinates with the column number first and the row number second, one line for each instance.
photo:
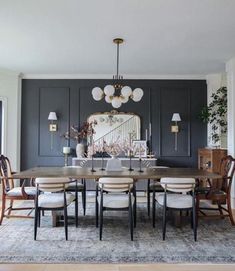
column 86, row 173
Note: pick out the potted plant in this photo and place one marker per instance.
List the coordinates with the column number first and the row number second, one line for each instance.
column 215, row 114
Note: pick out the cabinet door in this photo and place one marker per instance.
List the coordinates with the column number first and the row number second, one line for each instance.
column 205, row 160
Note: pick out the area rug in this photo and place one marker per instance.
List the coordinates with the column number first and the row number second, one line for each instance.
column 216, row 241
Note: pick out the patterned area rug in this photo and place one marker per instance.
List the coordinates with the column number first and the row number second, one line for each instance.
column 215, row 241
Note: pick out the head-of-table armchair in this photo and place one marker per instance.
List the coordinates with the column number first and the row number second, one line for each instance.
column 219, row 194
column 11, row 192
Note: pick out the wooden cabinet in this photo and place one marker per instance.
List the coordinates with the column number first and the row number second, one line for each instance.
column 209, row 159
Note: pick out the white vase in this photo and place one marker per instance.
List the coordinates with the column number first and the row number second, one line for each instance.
column 80, row 150
column 114, row 164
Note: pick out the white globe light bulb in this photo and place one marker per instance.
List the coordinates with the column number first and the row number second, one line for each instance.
column 108, row 99
column 137, row 94
column 109, row 90
column 97, row 97
column 116, row 102
column 126, row 91
column 97, row 91
column 125, row 99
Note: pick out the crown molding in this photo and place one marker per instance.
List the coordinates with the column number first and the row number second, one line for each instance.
column 109, row 76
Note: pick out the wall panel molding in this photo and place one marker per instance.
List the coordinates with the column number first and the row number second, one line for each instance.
column 73, row 100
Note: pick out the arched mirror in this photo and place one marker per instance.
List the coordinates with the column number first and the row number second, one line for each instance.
column 115, row 126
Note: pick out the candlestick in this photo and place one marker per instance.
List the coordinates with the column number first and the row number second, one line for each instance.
column 140, row 162
column 130, row 153
column 150, row 130
column 65, row 159
column 102, row 157
column 92, row 155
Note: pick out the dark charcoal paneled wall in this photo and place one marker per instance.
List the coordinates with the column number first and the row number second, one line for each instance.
column 73, row 103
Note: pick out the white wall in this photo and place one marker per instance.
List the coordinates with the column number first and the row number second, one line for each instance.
column 10, row 92
column 230, row 69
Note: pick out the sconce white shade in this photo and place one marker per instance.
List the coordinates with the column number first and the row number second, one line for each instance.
column 52, row 116
column 176, row 117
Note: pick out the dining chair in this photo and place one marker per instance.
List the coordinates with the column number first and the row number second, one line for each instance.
column 13, row 193
column 115, row 194
column 52, row 196
column 179, row 195
column 220, row 196
column 80, row 185
column 156, row 184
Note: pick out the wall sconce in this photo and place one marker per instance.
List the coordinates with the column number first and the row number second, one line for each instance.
column 52, row 126
column 175, row 128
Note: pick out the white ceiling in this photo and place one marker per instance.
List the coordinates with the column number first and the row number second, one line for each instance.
column 75, row 36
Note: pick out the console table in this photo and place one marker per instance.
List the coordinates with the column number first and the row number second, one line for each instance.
column 86, row 162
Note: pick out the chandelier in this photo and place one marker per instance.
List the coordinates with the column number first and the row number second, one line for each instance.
column 117, row 94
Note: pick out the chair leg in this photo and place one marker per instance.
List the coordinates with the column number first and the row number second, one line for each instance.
column 76, row 209
column 101, row 221
column 153, row 210
column 194, row 223
column 220, row 210
column 164, row 224
column 191, row 219
column 96, row 209
column 134, row 205
column 197, row 209
column 148, row 197
column 3, row 208
column 35, row 223
column 39, row 218
column 10, row 207
column 66, row 222
column 84, row 198
column 229, row 210
column 131, row 221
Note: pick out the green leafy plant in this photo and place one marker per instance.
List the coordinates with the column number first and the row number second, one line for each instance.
column 216, row 114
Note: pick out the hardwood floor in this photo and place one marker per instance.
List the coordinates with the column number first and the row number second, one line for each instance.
column 118, row 267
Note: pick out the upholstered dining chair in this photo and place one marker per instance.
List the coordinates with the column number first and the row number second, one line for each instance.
column 220, row 196
column 80, row 186
column 51, row 195
column 13, row 193
column 179, row 194
column 156, row 185
column 116, row 194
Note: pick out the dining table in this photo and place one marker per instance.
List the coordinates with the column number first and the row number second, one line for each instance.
column 87, row 173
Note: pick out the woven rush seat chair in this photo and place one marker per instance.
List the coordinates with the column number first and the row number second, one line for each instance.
column 12, row 193
column 220, row 196
column 116, row 194
column 51, row 195
column 179, row 194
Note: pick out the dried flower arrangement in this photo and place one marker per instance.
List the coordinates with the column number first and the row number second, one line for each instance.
column 84, row 132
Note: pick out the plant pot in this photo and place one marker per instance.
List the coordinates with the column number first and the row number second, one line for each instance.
column 80, row 150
